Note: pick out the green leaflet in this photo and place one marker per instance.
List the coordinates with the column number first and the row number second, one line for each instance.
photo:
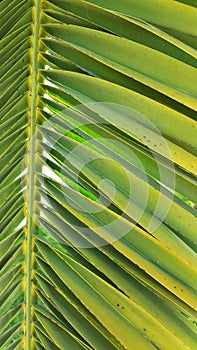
column 168, row 14
column 137, row 61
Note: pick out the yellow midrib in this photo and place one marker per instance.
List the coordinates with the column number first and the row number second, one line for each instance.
column 31, row 146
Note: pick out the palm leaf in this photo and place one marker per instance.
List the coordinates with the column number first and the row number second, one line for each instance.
column 98, row 174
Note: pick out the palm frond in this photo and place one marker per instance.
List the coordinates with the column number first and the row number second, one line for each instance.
column 98, row 174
